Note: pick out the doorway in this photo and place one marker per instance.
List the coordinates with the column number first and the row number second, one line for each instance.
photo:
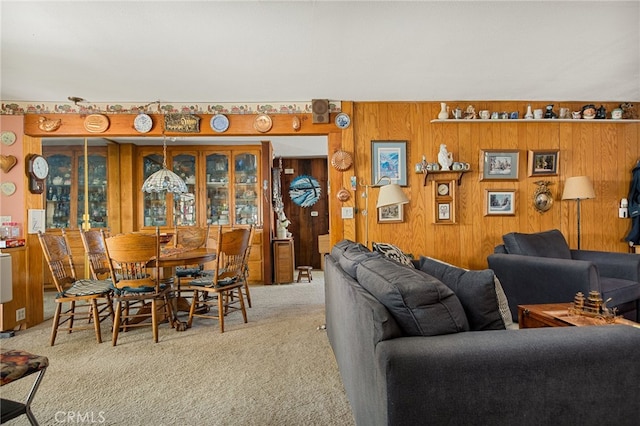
column 304, row 185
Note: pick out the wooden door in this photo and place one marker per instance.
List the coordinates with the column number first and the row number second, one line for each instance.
column 306, row 222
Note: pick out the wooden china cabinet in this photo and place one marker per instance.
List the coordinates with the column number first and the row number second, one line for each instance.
column 224, row 189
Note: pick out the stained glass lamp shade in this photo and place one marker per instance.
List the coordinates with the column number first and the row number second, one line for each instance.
column 164, row 179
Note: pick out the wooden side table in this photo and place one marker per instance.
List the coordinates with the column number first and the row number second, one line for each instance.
column 284, row 260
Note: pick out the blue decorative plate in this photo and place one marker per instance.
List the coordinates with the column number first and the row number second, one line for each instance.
column 343, row 120
column 143, row 123
column 219, row 123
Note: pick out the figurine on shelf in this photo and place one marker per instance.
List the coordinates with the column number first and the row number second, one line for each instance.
column 588, row 111
column 601, row 113
column 445, row 158
column 628, row 111
column 470, row 113
column 548, row 113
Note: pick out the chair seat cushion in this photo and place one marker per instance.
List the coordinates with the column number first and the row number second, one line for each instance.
column 208, row 281
column 542, row 244
column 87, row 288
column 16, row 364
column 619, row 290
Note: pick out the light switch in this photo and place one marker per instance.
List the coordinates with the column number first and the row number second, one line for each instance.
column 347, row 212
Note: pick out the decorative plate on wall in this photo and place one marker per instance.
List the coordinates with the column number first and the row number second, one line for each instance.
column 8, row 137
column 8, row 188
column 96, row 123
column 341, row 160
column 343, row 120
column 219, row 123
column 263, row 123
column 343, row 195
column 304, row 191
column 143, row 123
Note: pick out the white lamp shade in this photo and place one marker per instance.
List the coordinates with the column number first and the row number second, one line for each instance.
column 578, row 188
column 164, row 180
column 391, row 194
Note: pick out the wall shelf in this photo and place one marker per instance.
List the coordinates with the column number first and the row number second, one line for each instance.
column 459, row 173
column 533, row 120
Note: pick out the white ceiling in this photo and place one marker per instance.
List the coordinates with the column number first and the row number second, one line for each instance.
column 268, row 51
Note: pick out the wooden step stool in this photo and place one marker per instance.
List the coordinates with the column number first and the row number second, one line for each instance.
column 304, row 271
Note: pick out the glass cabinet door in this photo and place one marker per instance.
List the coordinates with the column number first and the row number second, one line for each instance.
column 96, row 189
column 217, row 176
column 184, row 165
column 155, row 203
column 245, row 188
column 58, row 209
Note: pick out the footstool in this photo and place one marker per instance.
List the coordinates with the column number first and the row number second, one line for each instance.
column 15, row 365
column 304, row 271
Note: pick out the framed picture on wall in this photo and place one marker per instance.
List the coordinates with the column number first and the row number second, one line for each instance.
column 389, row 160
column 499, row 165
column 543, row 163
column 391, row 214
column 500, row 202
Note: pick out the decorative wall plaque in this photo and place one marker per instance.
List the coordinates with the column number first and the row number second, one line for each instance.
column 182, row 123
column 96, row 123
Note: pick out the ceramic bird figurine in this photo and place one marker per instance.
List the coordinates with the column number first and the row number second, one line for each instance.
column 48, row 125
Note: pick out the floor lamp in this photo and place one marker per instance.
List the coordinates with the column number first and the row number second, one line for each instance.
column 578, row 188
column 389, row 195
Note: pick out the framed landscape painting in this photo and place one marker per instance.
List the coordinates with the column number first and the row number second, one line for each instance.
column 390, row 214
column 389, row 160
column 500, row 202
column 499, row 165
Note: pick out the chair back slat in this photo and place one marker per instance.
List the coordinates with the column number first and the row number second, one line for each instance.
column 96, row 253
column 191, row 237
column 132, row 259
column 58, row 256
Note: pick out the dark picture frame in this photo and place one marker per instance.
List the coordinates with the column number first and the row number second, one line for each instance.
column 499, row 164
column 543, row 163
column 389, row 160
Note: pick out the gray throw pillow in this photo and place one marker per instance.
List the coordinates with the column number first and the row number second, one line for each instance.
column 340, row 247
column 421, row 304
column 475, row 289
column 542, row 244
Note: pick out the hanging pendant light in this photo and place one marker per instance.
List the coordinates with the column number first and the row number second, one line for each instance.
column 164, row 179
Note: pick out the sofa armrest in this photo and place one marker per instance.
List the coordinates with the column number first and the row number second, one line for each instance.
column 513, row 376
column 611, row 264
column 533, row 280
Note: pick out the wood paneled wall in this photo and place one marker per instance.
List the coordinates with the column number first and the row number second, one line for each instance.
column 604, row 151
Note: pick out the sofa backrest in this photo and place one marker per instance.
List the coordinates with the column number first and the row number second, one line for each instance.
column 541, row 244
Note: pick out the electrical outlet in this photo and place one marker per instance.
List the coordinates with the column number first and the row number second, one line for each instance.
column 21, row 314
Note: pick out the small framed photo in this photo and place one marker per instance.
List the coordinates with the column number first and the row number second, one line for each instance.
column 500, row 202
column 389, row 160
column 543, row 163
column 499, row 165
column 444, row 211
column 391, row 214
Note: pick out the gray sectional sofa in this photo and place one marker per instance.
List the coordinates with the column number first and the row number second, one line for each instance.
column 407, row 354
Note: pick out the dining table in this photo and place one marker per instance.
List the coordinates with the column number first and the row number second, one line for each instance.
column 170, row 258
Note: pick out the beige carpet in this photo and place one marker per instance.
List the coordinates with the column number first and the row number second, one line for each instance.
column 278, row 369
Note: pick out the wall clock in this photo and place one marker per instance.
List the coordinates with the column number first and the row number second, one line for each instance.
column 37, row 171
column 304, row 191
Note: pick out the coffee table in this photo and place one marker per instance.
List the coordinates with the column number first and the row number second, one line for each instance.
column 557, row 315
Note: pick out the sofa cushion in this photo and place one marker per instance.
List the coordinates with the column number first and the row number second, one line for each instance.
column 340, row 247
column 420, row 303
column 475, row 289
column 392, row 252
column 352, row 256
column 542, row 244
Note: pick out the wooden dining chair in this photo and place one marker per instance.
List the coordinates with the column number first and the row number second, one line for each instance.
column 189, row 238
column 245, row 268
column 96, row 253
column 139, row 292
column 213, row 295
column 87, row 299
